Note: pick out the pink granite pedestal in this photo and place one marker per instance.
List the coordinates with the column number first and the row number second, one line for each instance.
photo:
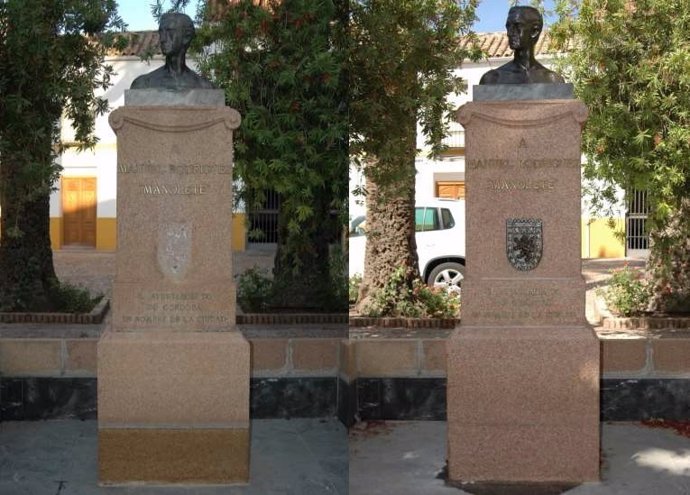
column 173, row 371
column 523, row 367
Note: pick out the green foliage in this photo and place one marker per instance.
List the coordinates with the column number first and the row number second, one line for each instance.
column 631, row 66
column 281, row 68
column 669, row 263
column 21, row 297
column 158, row 7
column 353, row 288
column 51, row 64
column 69, row 298
column 628, row 293
column 396, row 299
column 403, row 55
column 258, row 292
column 61, row 297
column 254, row 289
column 630, row 62
column 338, row 280
column 277, row 68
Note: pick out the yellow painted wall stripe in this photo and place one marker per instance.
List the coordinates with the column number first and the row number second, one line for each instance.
column 106, row 233
column 599, row 240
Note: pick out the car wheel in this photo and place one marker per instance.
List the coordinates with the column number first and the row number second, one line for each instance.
column 448, row 276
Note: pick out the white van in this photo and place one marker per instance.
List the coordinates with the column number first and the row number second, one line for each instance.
column 440, row 225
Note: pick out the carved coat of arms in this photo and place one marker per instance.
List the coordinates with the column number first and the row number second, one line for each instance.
column 524, row 242
column 174, row 249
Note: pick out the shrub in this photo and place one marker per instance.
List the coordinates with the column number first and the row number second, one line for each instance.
column 254, row 290
column 338, row 279
column 420, row 301
column 70, row 298
column 438, row 302
column 353, row 288
column 628, row 293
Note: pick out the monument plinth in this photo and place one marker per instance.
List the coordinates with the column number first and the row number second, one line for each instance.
column 173, row 372
column 523, row 366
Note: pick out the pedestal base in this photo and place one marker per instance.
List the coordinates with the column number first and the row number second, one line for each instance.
column 523, row 404
column 173, row 408
column 170, row 456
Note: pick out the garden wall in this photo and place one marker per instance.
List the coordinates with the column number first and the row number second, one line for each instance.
column 49, row 371
column 314, row 370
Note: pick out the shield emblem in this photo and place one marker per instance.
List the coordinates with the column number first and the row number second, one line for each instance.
column 524, row 242
column 174, row 249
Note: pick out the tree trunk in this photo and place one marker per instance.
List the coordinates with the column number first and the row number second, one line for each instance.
column 27, row 275
column 391, row 245
column 669, row 262
column 301, row 273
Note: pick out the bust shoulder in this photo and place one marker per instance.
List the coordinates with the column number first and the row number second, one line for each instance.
column 490, row 77
column 552, row 77
column 141, row 82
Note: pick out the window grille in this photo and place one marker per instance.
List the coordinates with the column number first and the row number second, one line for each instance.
column 636, row 236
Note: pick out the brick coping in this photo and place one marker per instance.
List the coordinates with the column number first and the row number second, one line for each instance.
column 98, row 313
column 291, row 318
column 646, row 322
column 366, row 321
column 609, row 321
column 95, row 316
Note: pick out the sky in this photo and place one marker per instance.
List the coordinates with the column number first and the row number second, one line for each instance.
column 137, row 14
column 491, row 14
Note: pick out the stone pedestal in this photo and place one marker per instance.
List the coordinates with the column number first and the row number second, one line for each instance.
column 173, row 372
column 523, row 367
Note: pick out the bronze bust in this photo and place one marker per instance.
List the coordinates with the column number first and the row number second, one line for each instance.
column 176, row 33
column 524, row 26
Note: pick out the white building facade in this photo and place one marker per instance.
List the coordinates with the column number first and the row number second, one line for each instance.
column 445, row 177
column 83, row 208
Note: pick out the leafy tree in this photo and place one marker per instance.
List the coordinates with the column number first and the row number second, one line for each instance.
column 281, row 66
column 50, row 64
column 630, row 62
column 402, row 58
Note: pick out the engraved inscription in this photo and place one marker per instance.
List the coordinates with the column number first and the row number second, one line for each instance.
column 143, row 168
column 487, row 163
column 164, row 182
column 521, row 185
column 526, row 163
column 201, row 169
column 175, row 189
column 193, row 169
column 176, row 309
column 510, row 304
column 175, row 319
column 548, row 163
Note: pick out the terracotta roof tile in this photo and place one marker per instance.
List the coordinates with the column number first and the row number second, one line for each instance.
column 494, row 45
column 138, row 44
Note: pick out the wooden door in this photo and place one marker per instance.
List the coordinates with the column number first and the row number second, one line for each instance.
column 450, row 189
column 79, row 211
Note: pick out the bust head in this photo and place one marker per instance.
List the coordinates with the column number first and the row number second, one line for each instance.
column 176, row 32
column 524, row 25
